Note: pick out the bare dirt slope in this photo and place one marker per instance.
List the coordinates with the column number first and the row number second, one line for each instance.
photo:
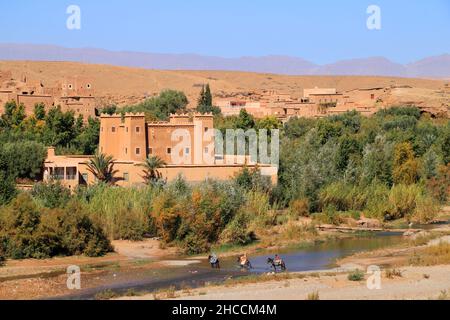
column 123, row 85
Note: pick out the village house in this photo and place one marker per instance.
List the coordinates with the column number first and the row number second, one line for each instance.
column 315, row 102
column 130, row 139
column 71, row 94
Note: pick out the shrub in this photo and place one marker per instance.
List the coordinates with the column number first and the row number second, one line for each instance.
column 356, row 275
column 23, row 159
column 2, row 255
column 236, row 231
column 313, row 296
column 439, row 186
column 410, row 202
column 299, row 208
column 78, row 234
column 393, row 273
column 426, row 209
column 252, row 180
column 27, row 232
column 7, row 187
column 402, row 201
column 433, row 255
column 51, row 195
column 329, row 216
column 406, row 167
column 257, row 208
column 123, row 213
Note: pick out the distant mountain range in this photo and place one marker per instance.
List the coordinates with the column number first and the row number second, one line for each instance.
column 431, row 67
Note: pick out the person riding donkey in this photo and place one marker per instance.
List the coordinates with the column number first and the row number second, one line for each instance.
column 277, row 262
column 244, row 261
column 214, row 261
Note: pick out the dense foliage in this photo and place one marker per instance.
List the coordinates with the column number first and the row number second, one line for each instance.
column 385, row 166
column 28, row 231
column 393, row 165
column 160, row 107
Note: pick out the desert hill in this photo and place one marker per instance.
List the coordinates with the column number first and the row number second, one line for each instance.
column 125, row 85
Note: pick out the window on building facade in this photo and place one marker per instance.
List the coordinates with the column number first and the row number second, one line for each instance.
column 206, row 150
column 150, row 150
column 138, row 129
column 71, row 173
column 113, row 129
column 187, row 150
column 206, row 129
column 59, row 174
column 169, row 150
column 138, row 151
column 126, row 150
column 85, row 178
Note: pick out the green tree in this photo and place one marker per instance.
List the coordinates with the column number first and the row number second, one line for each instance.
column 161, row 107
column 23, row 159
column 205, row 98
column 151, row 166
column 13, row 115
column 60, row 127
column 377, row 162
column 39, row 111
column 102, row 167
column 7, row 187
column 88, row 139
column 406, row 167
column 111, row 109
column 245, row 120
column 51, row 195
column 348, row 147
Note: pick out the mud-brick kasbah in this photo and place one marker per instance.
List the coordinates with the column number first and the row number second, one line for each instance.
column 130, row 138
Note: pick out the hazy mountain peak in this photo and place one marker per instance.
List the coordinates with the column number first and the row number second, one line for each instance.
column 434, row 67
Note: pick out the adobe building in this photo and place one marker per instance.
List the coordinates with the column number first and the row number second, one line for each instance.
column 130, row 139
column 315, row 102
column 72, row 94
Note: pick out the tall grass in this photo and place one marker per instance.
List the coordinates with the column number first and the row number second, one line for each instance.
column 378, row 201
column 124, row 213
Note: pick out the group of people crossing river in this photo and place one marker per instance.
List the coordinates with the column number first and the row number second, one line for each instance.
column 245, row 264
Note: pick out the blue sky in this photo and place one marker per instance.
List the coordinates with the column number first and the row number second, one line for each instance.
column 321, row 31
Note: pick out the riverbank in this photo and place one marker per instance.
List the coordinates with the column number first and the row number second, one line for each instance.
column 418, row 283
column 139, row 267
column 400, row 279
column 35, row 279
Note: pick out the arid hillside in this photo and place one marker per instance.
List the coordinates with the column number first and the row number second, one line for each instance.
column 123, row 85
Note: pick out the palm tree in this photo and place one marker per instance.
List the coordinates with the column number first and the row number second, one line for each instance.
column 102, row 167
column 151, row 166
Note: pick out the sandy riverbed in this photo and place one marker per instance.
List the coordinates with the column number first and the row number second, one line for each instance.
column 415, row 283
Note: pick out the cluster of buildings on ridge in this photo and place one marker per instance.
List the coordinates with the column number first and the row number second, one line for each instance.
column 315, row 102
column 77, row 94
column 70, row 93
column 130, row 139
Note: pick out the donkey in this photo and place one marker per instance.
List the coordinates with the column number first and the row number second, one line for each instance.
column 214, row 261
column 274, row 264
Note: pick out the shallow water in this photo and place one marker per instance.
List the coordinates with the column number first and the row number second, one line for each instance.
column 322, row 255
column 316, row 257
